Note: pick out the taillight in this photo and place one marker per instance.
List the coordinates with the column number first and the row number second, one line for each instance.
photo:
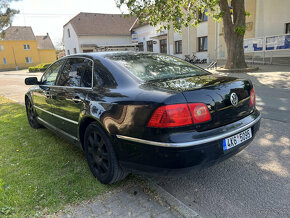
column 252, row 97
column 199, row 112
column 179, row 115
column 171, row 116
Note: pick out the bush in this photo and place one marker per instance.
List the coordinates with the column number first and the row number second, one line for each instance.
column 39, row 67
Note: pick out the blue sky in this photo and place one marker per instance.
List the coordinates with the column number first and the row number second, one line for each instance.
column 49, row 16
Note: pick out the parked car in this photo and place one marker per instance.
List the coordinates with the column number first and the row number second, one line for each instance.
column 148, row 112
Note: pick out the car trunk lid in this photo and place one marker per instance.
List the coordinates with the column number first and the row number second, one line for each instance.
column 215, row 92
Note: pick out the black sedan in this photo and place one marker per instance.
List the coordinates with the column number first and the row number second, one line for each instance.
column 146, row 112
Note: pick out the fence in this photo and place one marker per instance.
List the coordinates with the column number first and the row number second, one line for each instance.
column 268, row 50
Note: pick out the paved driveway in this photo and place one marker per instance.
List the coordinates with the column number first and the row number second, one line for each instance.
column 256, row 182
column 12, row 84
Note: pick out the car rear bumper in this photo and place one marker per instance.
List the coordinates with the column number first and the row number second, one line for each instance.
column 180, row 152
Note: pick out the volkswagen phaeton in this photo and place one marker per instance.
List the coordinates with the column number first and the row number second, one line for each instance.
column 143, row 112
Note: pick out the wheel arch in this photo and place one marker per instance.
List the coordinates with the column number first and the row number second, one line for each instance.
column 28, row 97
column 84, row 123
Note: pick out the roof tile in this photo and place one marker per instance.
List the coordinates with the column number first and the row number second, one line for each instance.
column 19, row 33
column 44, row 42
column 92, row 24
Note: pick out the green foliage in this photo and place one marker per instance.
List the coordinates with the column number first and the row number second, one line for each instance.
column 6, row 14
column 39, row 172
column 171, row 13
column 39, row 67
column 240, row 30
column 176, row 14
column 247, row 14
column 218, row 16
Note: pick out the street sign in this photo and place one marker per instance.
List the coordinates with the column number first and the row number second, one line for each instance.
column 134, row 38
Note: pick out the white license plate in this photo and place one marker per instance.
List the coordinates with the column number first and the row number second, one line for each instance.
column 237, row 139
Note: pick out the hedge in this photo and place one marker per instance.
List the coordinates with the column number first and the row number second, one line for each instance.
column 39, row 67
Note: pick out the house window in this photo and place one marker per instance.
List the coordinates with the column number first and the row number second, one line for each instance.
column 28, row 60
column 287, row 28
column 202, row 43
column 75, row 50
column 178, row 47
column 68, row 52
column 26, row 47
column 163, row 46
column 2, row 47
column 150, row 45
column 4, row 61
column 202, row 16
column 141, row 46
column 68, row 33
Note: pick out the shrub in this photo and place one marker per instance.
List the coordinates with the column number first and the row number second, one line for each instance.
column 39, row 67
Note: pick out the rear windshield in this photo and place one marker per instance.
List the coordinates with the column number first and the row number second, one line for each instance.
column 147, row 67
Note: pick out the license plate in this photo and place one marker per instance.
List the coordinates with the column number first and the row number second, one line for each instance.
column 237, row 139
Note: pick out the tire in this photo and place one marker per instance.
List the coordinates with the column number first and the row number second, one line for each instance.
column 31, row 115
column 101, row 156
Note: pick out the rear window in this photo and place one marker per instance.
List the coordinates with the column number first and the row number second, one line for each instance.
column 148, row 67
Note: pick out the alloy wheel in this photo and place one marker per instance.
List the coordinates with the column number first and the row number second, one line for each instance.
column 98, row 153
column 30, row 112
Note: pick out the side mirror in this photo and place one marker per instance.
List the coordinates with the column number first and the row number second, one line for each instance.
column 31, row 81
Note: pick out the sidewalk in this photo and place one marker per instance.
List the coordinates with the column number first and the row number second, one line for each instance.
column 272, row 76
column 139, row 200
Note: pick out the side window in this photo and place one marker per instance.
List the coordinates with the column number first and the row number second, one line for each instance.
column 103, row 77
column 50, row 75
column 77, row 72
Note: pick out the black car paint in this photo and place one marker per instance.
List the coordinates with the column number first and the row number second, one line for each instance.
column 163, row 160
column 122, row 105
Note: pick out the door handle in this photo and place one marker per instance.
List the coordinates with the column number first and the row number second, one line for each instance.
column 76, row 99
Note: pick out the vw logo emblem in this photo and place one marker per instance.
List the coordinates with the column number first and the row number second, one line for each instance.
column 234, row 99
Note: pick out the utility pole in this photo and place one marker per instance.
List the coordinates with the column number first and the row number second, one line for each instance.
column 14, row 58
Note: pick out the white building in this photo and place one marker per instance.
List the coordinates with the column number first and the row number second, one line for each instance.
column 267, row 34
column 90, row 32
column 151, row 40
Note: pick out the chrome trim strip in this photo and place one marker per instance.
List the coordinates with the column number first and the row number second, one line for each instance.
column 55, row 115
column 197, row 142
column 67, row 87
column 57, row 129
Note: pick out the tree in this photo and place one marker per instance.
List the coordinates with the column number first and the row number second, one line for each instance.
column 177, row 13
column 6, row 14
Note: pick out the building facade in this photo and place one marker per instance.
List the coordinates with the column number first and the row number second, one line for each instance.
column 91, row 32
column 46, row 50
column 21, row 49
column 266, row 20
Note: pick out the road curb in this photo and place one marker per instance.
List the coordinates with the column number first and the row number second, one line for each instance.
column 176, row 204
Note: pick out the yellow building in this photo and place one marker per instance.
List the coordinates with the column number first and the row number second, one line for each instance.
column 20, row 48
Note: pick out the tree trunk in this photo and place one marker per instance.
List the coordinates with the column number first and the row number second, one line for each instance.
column 234, row 30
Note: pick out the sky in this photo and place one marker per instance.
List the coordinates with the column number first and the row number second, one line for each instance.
column 49, row 16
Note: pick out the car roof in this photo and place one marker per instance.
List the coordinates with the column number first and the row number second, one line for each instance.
column 103, row 54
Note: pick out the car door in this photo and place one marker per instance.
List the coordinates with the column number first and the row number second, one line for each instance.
column 72, row 86
column 41, row 96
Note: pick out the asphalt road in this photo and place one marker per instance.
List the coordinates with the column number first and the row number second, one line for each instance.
column 255, row 182
column 12, row 84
